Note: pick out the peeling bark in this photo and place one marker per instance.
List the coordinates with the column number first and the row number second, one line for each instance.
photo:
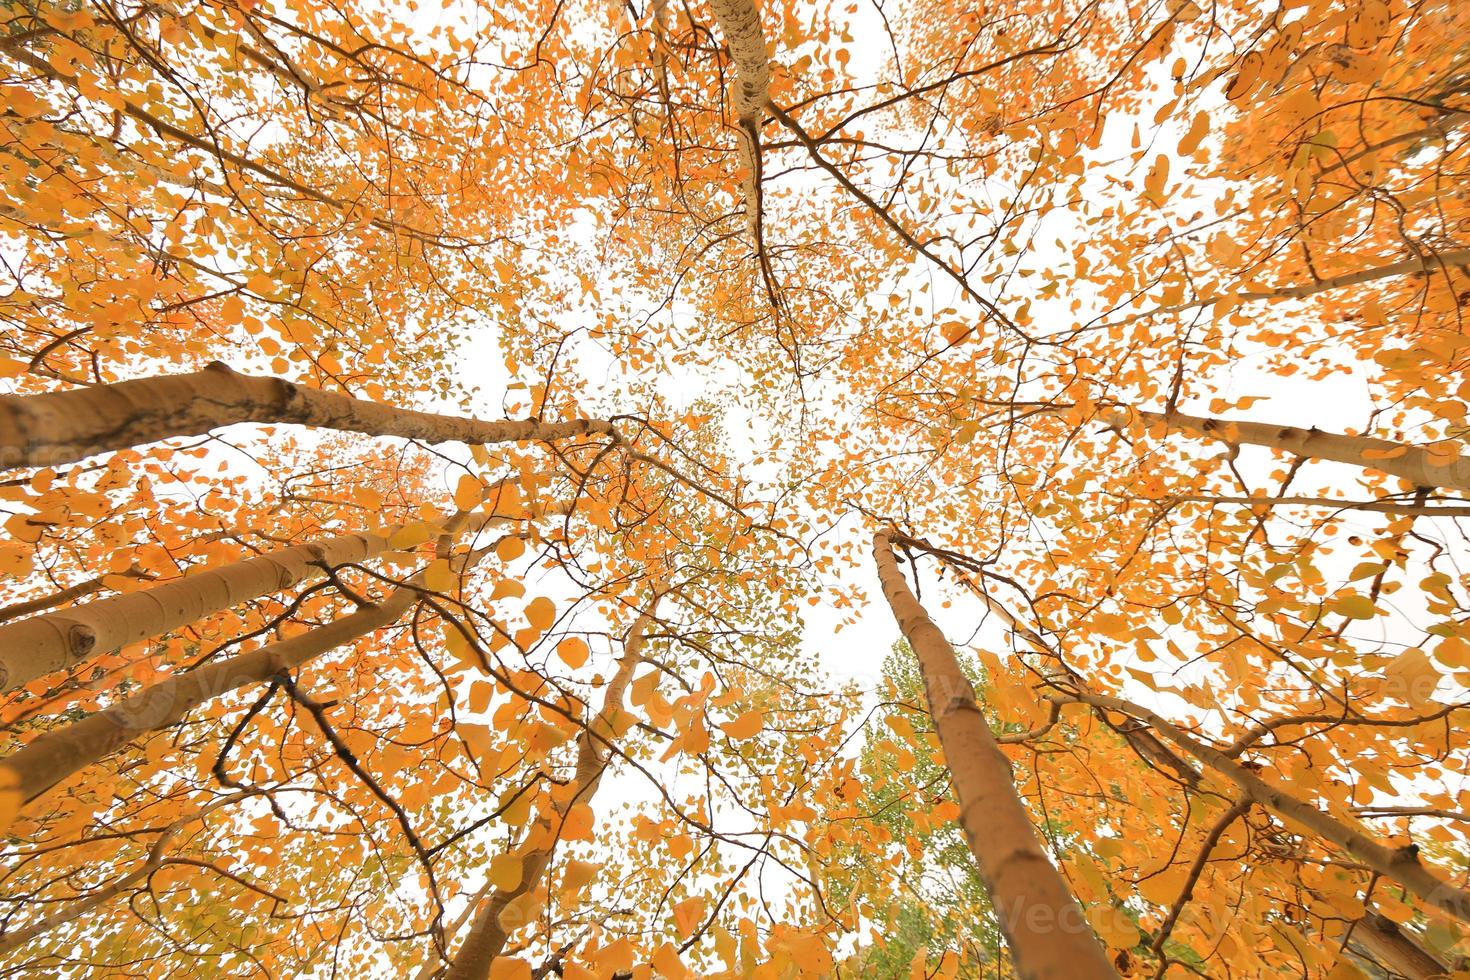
column 1045, row 930
column 65, row 426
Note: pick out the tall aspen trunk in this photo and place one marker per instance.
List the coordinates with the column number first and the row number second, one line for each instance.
column 1408, row 267
column 28, row 607
column 1044, row 927
column 1413, row 463
column 488, row 934
column 740, row 21
column 55, row 755
column 34, row 647
column 58, row 754
column 1392, row 863
column 157, row 858
column 65, row 426
column 65, row 750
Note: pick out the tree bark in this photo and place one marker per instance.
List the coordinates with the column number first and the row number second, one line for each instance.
column 1386, row 944
column 1044, row 927
column 1392, row 863
column 1408, row 267
column 488, row 934
column 65, row 426
column 95, row 584
column 59, row 753
column 34, row 647
column 740, row 21
column 1413, row 463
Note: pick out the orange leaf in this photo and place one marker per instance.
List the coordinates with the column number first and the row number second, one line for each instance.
column 468, row 493
column 688, row 915
column 746, row 726
column 509, row 968
column 572, row 651
column 541, row 613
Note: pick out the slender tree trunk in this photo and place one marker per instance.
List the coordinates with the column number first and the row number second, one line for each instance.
column 41, row 603
column 740, row 21
column 1045, row 930
column 1408, row 267
column 59, row 753
column 65, row 426
column 1413, row 463
column 34, row 647
column 488, row 934
column 1390, row 947
column 157, row 857
column 1392, row 863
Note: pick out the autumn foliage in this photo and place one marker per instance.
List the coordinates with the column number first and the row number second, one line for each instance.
column 439, row 444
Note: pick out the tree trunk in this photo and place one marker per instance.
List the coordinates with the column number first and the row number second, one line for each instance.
column 41, row 603
column 1382, row 941
column 488, row 934
column 59, row 753
column 740, row 21
column 34, row 647
column 65, row 426
column 1394, row 864
column 1413, row 463
column 1408, row 267
column 1045, row 930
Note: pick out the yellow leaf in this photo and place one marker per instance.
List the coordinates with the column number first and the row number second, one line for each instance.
column 578, row 823
column 956, row 332
column 578, row 874
column 1157, row 179
column 1198, row 130
column 232, row 310
column 1113, row 926
column 509, row 549
column 1453, row 652
column 746, row 726
column 1411, row 677
column 1354, row 606
column 439, row 577
column 572, row 651
column 541, row 613
column 479, row 699
column 666, row 961
column 505, row 871
column 515, row 809
column 459, row 648
column 510, row 968
column 468, row 492
column 507, row 587
column 688, row 915
column 409, row 536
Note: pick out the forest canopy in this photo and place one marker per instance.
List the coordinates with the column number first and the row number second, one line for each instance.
column 741, row 488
